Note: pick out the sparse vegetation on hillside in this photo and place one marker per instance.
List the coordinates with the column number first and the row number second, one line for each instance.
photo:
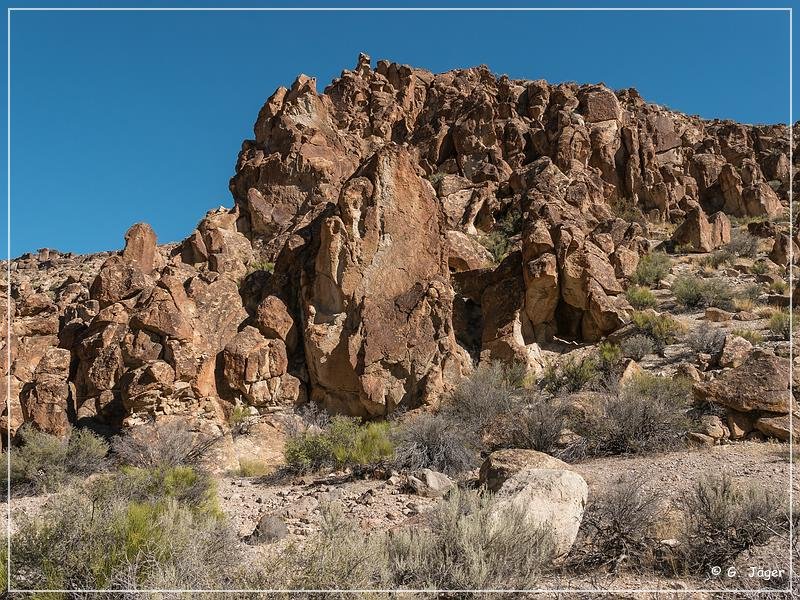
column 568, row 375
column 135, row 529
column 647, row 414
column 162, row 444
column 434, row 442
column 695, row 292
column 44, row 463
column 638, row 346
column 499, row 240
column 640, row 297
column 344, row 442
column 780, row 324
column 651, row 269
column 660, row 328
column 723, row 520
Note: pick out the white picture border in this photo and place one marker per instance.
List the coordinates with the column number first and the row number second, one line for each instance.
column 788, row 10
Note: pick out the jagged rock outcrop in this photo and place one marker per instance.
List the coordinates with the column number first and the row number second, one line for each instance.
column 377, row 306
column 756, row 394
column 383, row 233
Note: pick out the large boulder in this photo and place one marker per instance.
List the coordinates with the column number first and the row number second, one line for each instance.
column 701, row 234
column 553, row 499
column 501, row 465
column 760, row 383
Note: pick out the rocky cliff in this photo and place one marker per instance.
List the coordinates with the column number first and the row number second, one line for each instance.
column 353, row 268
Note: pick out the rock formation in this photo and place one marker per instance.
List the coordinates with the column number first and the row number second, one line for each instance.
column 353, row 268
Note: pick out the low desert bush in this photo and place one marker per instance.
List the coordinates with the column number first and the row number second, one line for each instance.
column 491, row 390
column 465, row 545
column 619, row 526
column 339, row 557
column 651, row 269
column 717, row 258
column 662, row 329
column 759, row 267
column 638, row 346
column 647, row 414
column 747, row 298
column 499, row 241
column 252, row 467
column 627, row 210
column 706, row 338
column 240, row 420
column 43, row 462
column 262, row 265
column 344, row 442
column 434, row 442
column 743, row 244
column 640, row 297
column 778, row 286
column 751, row 335
column 608, row 355
column 188, row 486
column 162, row 444
column 104, row 541
column 695, row 292
column 569, row 375
column 723, row 520
column 461, row 544
column 780, row 324
column 537, row 426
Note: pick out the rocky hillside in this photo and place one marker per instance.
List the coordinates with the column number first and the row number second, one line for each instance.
column 386, row 235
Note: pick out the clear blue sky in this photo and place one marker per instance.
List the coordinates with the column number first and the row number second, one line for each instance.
column 120, row 117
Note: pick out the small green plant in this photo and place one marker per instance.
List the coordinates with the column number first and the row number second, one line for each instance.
column 651, row 269
column 695, row 292
column 780, row 324
column 717, row 258
column 261, row 265
column 240, row 420
column 640, row 297
column 778, row 286
column 345, row 442
column 628, row 211
column 759, row 267
column 751, row 335
column 662, row 329
column 568, row 376
column 436, row 179
column 742, row 244
column 186, row 485
column 499, row 240
column 251, row 467
column 608, row 355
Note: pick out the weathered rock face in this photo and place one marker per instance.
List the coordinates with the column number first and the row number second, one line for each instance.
column 377, row 306
column 354, row 268
column 756, row 393
column 701, row 234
